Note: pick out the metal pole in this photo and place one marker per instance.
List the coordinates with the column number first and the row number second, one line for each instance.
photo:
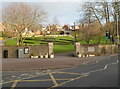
column 74, row 33
column 117, row 30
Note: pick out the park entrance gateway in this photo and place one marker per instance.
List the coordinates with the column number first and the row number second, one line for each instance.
column 86, row 50
column 46, row 51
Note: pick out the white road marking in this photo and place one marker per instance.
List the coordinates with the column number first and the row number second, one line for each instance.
column 115, row 62
column 85, row 73
column 93, row 63
column 13, row 76
column 24, row 74
column 30, row 75
column 105, row 67
column 95, row 70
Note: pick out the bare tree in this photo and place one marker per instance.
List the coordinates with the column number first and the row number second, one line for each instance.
column 91, row 22
column 110, row 12
column 116, row 18
column 101, row 11
column 53, row 28
column 18, row 16
column 55, row 20
column 89, row 32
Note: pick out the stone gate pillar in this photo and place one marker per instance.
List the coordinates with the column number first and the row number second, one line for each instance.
column 77, row 48
column 50, row 50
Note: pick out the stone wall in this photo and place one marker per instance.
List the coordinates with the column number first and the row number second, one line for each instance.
column 36, row 49
column 119, row 48
column 95, row 50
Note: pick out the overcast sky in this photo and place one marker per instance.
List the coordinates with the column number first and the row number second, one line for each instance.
column 66, row 11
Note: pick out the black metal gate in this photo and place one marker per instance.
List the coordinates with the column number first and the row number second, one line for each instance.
column 5, row 53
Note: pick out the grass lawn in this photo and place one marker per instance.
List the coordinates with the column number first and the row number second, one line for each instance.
column 5, row 37
column 11, row 42
column 63, row 48
column 61, row 43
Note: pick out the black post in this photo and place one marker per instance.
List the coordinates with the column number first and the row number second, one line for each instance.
column 74, row 33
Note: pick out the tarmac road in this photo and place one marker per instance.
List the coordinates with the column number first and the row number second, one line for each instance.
column 99, row 74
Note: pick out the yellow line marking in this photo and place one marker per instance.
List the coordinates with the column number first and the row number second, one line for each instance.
column 53, row 79
column 62, row 79
column 68, row 81
column 37, row 75
column 7, row 82
column 69, row 73
column 25, row 78
column 14, row 84
column 35, row 80
column 41, row 80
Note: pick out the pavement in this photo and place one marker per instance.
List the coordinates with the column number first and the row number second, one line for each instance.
column 100, row 74
column 61, row 60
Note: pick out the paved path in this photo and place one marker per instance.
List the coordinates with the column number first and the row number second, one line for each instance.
column 60, row 61
column 98, row 74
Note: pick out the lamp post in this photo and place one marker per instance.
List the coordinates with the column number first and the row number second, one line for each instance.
column 117, row 16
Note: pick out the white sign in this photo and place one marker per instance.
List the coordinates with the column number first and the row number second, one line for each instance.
column 91, row 49
column 26, row 50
